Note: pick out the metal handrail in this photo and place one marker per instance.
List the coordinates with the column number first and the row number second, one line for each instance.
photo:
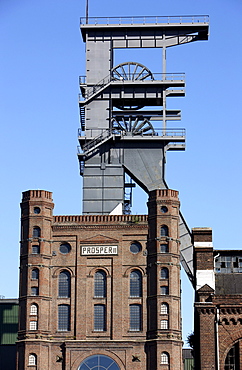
column 158, row 132
column 184, row 19
column 123, row 77
column 82, row 80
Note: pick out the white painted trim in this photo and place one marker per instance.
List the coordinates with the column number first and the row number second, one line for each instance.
column 205, row 277
column 203, row 244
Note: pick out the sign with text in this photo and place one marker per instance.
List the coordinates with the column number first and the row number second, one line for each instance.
column 99, row 250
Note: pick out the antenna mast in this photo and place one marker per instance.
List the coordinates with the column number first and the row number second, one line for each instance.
column 86, row 11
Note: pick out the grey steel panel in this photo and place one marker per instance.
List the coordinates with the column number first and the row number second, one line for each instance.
column 97, row 116
column 92, row 207
column 114, row 171
column 92, row 182
column 113, row 193
column 113, row 181
column 92, row 193
column 92, row 171
column 98, row 62
column 146, row 166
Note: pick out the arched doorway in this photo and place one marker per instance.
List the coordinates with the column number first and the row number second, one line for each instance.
column 98, row 362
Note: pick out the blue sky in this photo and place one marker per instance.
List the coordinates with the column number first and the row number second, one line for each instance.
column 42, row 55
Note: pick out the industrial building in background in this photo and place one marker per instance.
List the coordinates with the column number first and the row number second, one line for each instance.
column 102, row 290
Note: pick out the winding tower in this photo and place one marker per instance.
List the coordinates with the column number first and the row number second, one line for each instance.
column 124, row 114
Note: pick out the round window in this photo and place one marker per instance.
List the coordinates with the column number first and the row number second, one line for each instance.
column 99, row 362
column 135, row 247
column 36, row 210
column 164, row 209
column 65, row 248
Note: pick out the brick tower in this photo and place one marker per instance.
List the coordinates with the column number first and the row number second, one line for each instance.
column 35, row 256
column 163, row 272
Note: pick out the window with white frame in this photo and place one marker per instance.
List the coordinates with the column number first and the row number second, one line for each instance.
column 34, row 309
column 164, row 309
column 33, row 325
column 164, row 324
column 32, row 359
column 164, row 358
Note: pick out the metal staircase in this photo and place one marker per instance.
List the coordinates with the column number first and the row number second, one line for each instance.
column 93, row 144
column 82, row 117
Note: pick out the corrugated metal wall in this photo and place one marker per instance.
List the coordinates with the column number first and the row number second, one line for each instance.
column 189, row 364
column 8, row 323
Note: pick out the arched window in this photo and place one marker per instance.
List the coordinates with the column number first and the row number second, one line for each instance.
column 164, row 290
column 35, row 274
column 32, row 359
column 135, row 317
column 36, row 232
column 100, row 282
column 164, row 248
column 164, row 324
column 164, row 309
column 99, row 317
column 63, row 317
column 232, row 358
column 164, row 358
column 64, row 284
column 164, row 273
column 99, row 362
column 34, row 309
column 164, row 230
column 135, row 284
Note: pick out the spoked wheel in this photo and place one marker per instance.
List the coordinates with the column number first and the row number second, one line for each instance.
column 133, row 125
column 131, row 71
